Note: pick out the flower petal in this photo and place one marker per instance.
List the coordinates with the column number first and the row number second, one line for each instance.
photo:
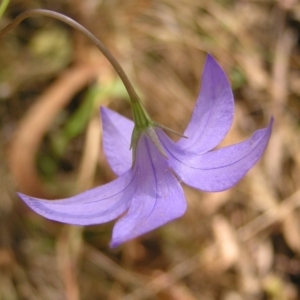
column 98, row 205
column 220, row 169
column 117, row 132
column 213, row 113
column 158, row 198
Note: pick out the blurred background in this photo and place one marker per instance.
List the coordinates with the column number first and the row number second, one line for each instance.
column 240, row 244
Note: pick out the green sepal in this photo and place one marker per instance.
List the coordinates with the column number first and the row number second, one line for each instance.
column 169, row 129
column 141, row 118
column 143, row 124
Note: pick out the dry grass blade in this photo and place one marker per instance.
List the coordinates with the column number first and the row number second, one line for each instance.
column 159, row 283
column 276, row 214
column 228, row 247
column 105, row 263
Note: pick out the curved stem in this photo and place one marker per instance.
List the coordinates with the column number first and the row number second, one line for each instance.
column 48, row 13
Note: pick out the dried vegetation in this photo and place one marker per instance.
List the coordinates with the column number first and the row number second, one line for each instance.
column 240, row 244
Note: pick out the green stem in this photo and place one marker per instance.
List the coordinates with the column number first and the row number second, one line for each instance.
column 48, row 13
column 3, row 7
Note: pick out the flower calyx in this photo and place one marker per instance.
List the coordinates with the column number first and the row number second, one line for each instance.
column 143, row 124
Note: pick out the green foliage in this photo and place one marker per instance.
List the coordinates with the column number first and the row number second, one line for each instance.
column 3, row 7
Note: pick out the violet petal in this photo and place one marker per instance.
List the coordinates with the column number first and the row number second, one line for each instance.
column 158, row 198
column 98, row 205
column 213, row 113
column 117, row 132
column 220, row 169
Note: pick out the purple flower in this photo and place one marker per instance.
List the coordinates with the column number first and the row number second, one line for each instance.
column 147, row 193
